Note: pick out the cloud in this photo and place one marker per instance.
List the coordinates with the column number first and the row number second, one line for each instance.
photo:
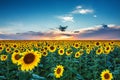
column 100, row 33
column 78, row 7
column 31, row 35
column 111, row 32
column 82, row 11
column 78, row 10
column 66, row 18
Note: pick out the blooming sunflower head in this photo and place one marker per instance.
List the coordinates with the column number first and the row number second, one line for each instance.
column 52, row 48
column 1, row 48
column 107, row 49
column 58, row 71
column 3, row 57
column 44, row 53
column 17, row 51
column 61, row 51
column 68, row 52
column 15, row 57
column 77, row 54
column 88, row 51
column 99, row 51
column 97, row 44
column 29, row 60
column 8, row 49
column 76, row 45
column 106, row 75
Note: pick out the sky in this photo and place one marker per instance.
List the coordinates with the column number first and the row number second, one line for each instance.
column 36, row 19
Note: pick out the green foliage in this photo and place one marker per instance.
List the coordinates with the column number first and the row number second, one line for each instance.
column 86, row 67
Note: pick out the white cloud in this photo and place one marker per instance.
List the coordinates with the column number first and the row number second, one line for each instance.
column 78, row 7
column 66, row 18
column 78, row 10
column 82, row 11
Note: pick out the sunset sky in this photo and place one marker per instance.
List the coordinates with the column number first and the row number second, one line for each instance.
column 40, row 19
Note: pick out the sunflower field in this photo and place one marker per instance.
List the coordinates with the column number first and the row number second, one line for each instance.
column 59, row 60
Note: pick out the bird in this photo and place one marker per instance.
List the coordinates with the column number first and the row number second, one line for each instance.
column 104, row 26
column 62, row 28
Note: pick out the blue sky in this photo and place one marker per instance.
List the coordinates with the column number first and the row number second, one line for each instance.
column 18, row 16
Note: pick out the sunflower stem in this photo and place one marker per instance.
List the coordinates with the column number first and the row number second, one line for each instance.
column 7, row 70
column 105, row 60
column 95, row 67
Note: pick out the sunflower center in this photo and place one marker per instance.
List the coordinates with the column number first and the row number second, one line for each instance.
column 77, row 54
column 44, row 53
column 0, row 48
column 107, row 76
column 4, row 56
column 15, row 46
column 29, row 58
column 97, row 43
column 61, row 51
column 52, row 48
column 17, row 57
column 42, row 49
column 58, row 70
column 107, row 48
column 45, row 48
column 76, row 45
column 87, row 45
column 68, row 52
column 6, row 45
column 99, row 51
column 8, row 49
column 16, row 51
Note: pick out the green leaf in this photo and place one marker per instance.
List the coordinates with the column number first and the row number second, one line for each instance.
column 41, row 65
column 50, row 75
column 79, row 77
column 2, row 77
column 116, row 72
column 35, row 76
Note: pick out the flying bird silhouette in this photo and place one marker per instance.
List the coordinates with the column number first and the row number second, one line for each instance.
column 62, row 28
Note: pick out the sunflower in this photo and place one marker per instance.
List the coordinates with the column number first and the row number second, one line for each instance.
column 29, row 60
column 58, row 71
column 76, row 45
column 1, row 48
column 15, row 45
column 81, row 51
column 52, row 48
column 107, row 49
column 97, row 44
column 3, row 57
column 17, row 51
column 15, row 57
column 8, row 49
column 44, row 53
column 88, row 51
column 6, row 45
column 112, row 48
column 88, row 46
column 68, row 52
column 77, row 54
column 61, row 51
column 42, row 49
column 99, row 51
column 106, row 75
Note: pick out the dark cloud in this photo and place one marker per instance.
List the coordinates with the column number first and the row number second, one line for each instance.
column 100, row 34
